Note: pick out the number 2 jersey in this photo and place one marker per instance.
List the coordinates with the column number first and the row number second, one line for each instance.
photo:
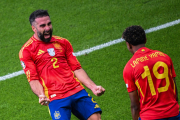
column 52, row 64
column 151, row 72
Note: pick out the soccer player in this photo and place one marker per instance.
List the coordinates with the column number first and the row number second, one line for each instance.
column 150, row 80
column 55, row 75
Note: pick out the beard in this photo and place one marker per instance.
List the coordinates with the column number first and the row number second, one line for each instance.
column 41, row 36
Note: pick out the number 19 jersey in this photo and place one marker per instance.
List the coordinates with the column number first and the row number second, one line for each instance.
column 151, row 72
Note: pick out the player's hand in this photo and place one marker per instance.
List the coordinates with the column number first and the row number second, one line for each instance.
column 43, row 100
column 98, row 90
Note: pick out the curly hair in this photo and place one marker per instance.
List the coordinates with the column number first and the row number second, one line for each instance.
column 37, row 14
column 134, row 35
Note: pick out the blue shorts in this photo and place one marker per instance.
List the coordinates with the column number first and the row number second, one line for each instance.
column 81, row 104
column 171, row 118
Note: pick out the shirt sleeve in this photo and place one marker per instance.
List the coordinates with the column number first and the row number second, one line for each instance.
column 71, row 58
column 28, row 65
column 172, row 69
column 129, row 79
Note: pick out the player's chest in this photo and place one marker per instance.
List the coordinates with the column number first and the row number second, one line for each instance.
column 48, row 51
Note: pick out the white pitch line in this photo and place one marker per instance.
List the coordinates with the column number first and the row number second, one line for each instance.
column 14, row 74
column 86, row 51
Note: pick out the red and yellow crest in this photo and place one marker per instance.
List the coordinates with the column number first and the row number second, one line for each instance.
column 57, row 45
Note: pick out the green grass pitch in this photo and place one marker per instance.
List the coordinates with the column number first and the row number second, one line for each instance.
column 85, row 23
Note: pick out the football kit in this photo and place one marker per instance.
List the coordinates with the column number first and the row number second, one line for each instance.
column 151, row 72
column 52, row 64
column 81, row 104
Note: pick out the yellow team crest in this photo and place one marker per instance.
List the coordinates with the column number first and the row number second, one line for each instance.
column 143, row 50
column 57, row 46
column 57, row 115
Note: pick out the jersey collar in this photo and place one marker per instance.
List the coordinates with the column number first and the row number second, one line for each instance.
column 142, row 50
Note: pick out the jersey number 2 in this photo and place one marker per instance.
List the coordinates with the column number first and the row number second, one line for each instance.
column 54, row 60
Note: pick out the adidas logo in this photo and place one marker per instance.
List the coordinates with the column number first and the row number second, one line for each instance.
column 40, row 52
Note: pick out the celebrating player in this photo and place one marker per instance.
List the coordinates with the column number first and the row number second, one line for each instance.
column 150, row 80
column 55, row 75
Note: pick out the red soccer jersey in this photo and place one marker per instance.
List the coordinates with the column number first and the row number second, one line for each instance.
column 52, row 64
column 151, row 72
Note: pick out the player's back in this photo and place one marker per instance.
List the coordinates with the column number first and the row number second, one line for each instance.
column 153, row 73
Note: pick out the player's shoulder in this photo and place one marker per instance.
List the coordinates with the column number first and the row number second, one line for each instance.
column 27, row 44
column 58, row 38
column 128, row 65
column 160, row 53
column 61, row 40
column 26, row 47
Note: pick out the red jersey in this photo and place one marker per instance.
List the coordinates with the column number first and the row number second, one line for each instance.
column 52, row 64
column 151, row 72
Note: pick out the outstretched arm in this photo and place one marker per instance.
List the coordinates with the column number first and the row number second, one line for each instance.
column 38, row 90
column 135, row 107
column 84, row 79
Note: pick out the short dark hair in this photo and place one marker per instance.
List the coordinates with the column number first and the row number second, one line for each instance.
column 134, row 35
column 36, row 14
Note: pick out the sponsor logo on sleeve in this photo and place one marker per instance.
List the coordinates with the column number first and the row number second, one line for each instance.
column 126, row 85
column 23, row 65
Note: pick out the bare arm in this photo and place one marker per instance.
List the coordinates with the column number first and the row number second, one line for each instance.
column 135, row 107
column 37, row 88
column 84, row 79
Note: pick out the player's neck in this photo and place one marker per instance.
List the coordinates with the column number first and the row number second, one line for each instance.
column 36, row 37
column 135, row 48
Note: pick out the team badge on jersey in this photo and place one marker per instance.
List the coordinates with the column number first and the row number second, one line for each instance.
column 143, row 50
column 23, row 65
column 51, row 51
column 57, row 115
column 126, row 85
column 57, row 46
